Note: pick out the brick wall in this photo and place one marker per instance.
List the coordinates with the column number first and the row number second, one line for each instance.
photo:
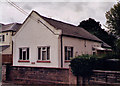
column 38, row 75
column 4, row 73
column 34, row 75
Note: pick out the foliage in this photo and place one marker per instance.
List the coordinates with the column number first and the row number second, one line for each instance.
column 95, row 28
column 107, row 64
column 82, row 65
column 113, row 19
column 90, row 25
column 118, row 46
column 85, row 64
column 109, row 55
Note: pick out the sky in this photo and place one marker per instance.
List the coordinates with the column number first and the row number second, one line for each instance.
column 69, row 11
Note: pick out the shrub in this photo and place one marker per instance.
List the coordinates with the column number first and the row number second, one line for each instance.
column 83, row 65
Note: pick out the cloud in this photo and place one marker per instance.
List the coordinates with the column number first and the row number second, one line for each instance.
column 62, row 0
column 70, row 12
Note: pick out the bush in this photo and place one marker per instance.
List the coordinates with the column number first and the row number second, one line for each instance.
column 111, row 56
column 83, row 65
column 107, row 64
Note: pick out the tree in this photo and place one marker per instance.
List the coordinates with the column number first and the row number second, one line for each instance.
column 82, row 66
column 90, row 25
column 113, row 23
column 95, row 28
column 113, row 19
column 118, row 46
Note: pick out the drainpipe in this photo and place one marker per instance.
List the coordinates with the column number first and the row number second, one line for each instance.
column 61, row 52
column 12, row 42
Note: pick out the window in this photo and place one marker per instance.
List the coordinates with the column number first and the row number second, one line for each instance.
column 2, row 38
column 23, row 53
column 68, row 53
column 94, row 53
column 44, row 53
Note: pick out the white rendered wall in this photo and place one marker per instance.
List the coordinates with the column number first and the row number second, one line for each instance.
column 7, row 41
column 78, row 46
column 33, row 34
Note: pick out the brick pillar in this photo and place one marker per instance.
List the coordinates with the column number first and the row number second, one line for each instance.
column 72, row 78
column 3, row 73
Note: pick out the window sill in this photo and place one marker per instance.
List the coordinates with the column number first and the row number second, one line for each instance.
column 67, row 61
column 23, row 61
column 43, row 61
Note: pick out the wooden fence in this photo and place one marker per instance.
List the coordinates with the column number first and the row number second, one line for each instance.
column 105, row 77
column 7, row 59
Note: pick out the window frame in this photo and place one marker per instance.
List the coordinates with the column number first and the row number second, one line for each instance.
column 25, row 50
column 2, row 38
column 40, row 51
column 69, row 49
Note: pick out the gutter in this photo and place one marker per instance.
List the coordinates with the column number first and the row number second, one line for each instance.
column 82, row 38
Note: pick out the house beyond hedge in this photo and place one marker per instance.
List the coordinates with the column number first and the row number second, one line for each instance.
column 45, row 42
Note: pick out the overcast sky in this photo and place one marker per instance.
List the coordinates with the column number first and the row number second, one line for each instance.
column 69, row 11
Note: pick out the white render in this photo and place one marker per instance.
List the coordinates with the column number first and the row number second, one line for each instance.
column 7, row 41
column 79, row 47
column 34, row 34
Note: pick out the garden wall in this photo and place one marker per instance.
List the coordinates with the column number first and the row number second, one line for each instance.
column 37, row 75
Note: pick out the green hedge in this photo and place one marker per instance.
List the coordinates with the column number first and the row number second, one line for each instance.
column 84, row 65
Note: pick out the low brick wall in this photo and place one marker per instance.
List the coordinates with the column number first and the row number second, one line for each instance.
column 34, row 75
column 4, row 73
column 39, row 75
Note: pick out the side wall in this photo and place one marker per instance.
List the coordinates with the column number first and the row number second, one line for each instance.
column 34, row 34
column 8, row 38
column 7, row 41
column 80, row 47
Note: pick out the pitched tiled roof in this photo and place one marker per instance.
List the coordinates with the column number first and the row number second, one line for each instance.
column 105, row 45
column 10, row 27
column 70, row 30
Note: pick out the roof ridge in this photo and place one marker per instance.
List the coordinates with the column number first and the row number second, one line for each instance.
column 55, row 19
column 69, row 29
column 12, row 26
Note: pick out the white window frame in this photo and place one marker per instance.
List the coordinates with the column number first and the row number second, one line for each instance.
column 1, row 38
column 41, row 53
column 24, row 49
column 69, row 49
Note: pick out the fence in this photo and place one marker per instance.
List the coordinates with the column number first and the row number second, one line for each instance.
column 7, row 58
column 105, row 77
